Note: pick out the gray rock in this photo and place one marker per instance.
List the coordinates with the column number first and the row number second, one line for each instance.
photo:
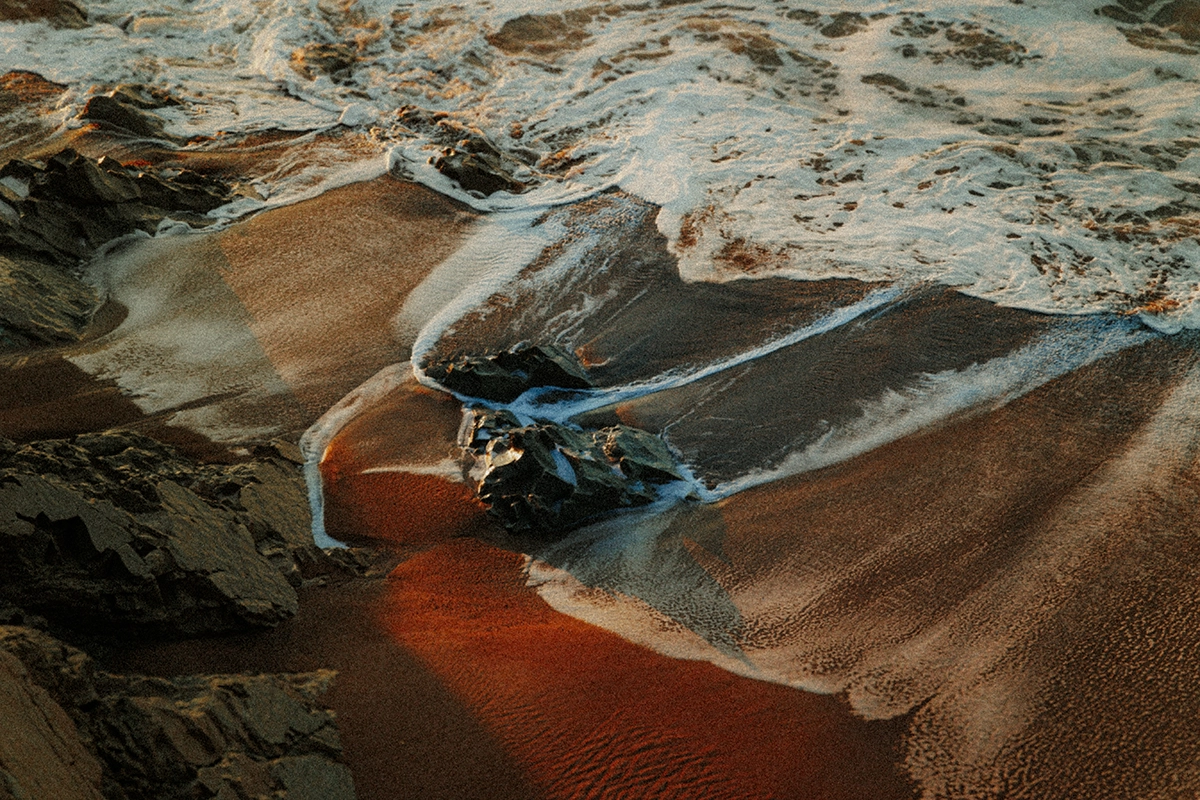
column 116, row 533
column 504, row 376
column 71, row 204
column 40, row 304
column 545, row 479
column 140, row 738
column 480, row 172
column 113, row 113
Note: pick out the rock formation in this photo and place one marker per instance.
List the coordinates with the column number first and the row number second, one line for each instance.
column 56, row 214
column 544, row 478
column 505, row 376
column 73, row 731
column 116, row 533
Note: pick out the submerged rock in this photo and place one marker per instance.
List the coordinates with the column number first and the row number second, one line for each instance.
column 544, row 479
column 480, row 172
column 505, row 376
column 130, row 737
column 116, row 533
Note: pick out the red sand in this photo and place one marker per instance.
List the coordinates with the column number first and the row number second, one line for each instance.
column 580, row 711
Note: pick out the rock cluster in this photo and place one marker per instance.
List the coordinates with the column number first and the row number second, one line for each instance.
column 70, row 205
column 468, row 155
column 54, row 215
column 115, row 533
column 73, row 731
column 544, row 478
column 505, row 376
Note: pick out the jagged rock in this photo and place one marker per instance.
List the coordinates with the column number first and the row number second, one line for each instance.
column 544, row 479
column 504, row 376
column 118, row 533
column 139, row 738
column 57, row 13
column 40, row 303
column 69, row 206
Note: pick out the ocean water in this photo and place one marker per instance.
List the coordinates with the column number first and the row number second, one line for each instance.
column 1041, row 154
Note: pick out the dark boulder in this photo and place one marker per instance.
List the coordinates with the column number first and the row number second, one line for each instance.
column 505, row 376
column 544, row 479
column 480, row 172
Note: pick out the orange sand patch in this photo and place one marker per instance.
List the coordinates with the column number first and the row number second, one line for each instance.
column 588, row 714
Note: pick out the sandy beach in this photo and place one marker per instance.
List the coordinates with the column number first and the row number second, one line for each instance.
column 639, row 401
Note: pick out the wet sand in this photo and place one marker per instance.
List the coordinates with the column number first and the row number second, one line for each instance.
column 967, row 590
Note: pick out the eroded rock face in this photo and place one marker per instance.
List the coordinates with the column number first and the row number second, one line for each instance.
column 69, row 206
column 505, row 376
column 56, row 214
column 115, row 533
column 544, row 479
column 130, row 737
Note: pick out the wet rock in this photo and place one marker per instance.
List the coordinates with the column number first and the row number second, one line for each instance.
column 56, row 13
column 504, row 376
column 543, row 34
column 544, row 479
column 56, row 214
column 478, row 172
column 1182, row 17
column 145, row 97
column 116, row 533
column 22, row 88
column 335, row 60
column 110, row 112
column 66, row 208
column 129, row 737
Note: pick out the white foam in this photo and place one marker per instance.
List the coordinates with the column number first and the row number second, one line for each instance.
column 937, row 397
column 668, row 104
column 581, row 402
column 315, row 441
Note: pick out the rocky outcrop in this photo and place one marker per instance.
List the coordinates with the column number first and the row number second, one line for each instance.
column 74, row 731
column 54, row 215
column 505, row 376
column 70, row 205
column 468, row 156
column 481, row 172
column 543, row 479
column 40, row 303
column 56, row 13
column 115, row 533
